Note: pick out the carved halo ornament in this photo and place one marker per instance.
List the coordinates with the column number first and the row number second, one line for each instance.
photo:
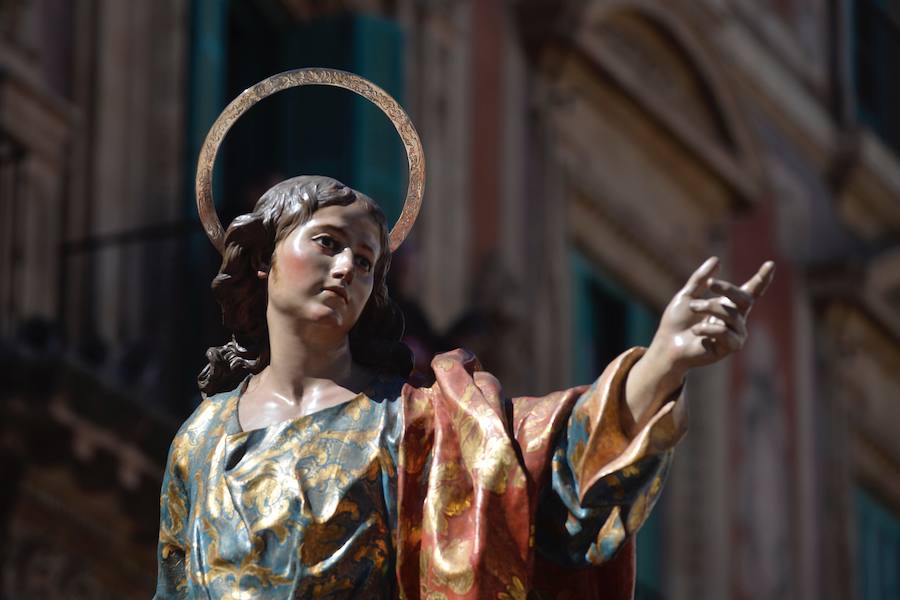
column 296, row 78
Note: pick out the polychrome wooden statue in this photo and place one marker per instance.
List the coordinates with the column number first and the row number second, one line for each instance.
column 314, row 468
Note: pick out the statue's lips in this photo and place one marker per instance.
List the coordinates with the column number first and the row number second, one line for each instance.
column 337, row 291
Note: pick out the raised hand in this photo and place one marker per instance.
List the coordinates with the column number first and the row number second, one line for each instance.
column 705, row 322
column 707, row 319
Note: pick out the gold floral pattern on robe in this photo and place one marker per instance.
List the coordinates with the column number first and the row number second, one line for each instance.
column 446, row 491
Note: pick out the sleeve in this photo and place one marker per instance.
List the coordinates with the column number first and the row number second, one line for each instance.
column 171, row 557
column 604, row 483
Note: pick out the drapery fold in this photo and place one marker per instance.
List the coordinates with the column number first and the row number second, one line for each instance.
column 522, row 500
column 444, row 491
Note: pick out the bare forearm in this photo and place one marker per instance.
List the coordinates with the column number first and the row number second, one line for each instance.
column 652, row 381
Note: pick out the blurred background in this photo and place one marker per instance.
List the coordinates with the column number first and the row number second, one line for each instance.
column 584, row 156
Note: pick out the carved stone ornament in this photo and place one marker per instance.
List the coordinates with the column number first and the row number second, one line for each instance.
column 296, row 78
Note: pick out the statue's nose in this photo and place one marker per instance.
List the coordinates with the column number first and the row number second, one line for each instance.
column 342, row 267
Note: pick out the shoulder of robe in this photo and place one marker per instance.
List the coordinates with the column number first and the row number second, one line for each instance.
column 451, row 373
column 455, row 359
column 207, row 421
column 462, row 362
column 459, row 363
column 210, row 410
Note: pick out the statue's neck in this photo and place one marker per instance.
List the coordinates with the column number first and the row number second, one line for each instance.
column 303, row 354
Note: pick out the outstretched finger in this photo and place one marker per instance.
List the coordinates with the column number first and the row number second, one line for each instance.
column 741, row 297
column 699, row 278
column 710, row 329
column 723, row 310
column 757, row 284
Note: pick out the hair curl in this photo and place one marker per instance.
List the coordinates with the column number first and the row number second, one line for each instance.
column 249, row 247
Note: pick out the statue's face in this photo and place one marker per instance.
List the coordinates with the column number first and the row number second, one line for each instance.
column 323, row 272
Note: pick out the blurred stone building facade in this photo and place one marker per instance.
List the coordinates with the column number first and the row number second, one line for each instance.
column 583, row 158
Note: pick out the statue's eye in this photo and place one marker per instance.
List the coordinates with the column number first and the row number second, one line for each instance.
column 364, row 263
column 326, row 241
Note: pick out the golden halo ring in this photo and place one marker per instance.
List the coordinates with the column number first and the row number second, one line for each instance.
column 296, row 78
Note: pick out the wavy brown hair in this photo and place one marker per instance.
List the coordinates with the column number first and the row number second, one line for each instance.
column 249, row 247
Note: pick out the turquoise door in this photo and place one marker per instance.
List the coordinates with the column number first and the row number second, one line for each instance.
column 877, row 549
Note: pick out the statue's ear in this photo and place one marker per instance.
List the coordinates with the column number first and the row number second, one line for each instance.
column 261, row 266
